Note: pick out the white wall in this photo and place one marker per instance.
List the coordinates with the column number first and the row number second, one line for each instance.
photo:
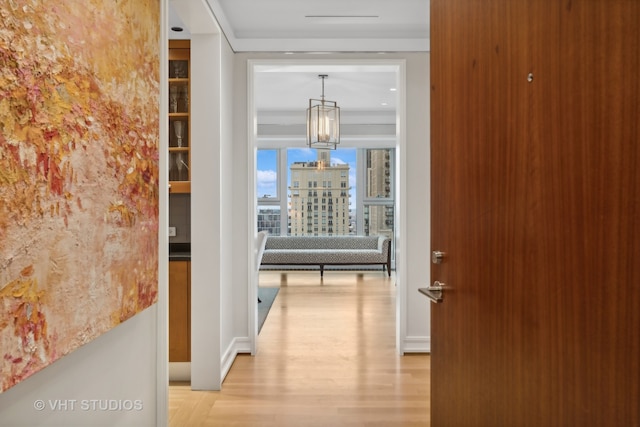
column 417, row 193
column 118, row 366
column 239, row 181
column 215, row 339
column 232, row 281
column 416, row 328
column 207, row 244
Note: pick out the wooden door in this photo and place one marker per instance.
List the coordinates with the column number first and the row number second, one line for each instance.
column 536, row 202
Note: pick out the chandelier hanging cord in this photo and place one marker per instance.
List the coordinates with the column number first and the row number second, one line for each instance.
column 323, row 76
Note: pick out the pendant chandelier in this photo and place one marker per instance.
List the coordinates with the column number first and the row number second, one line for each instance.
column 323, row 122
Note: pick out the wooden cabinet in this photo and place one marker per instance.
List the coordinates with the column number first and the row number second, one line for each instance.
column 179, row 116
column 179, row 311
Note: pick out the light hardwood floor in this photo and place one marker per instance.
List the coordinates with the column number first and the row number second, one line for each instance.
column 326, row 357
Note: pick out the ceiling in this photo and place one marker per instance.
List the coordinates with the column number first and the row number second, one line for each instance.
column 313, row 28
column 318, row 26
column 355, row 88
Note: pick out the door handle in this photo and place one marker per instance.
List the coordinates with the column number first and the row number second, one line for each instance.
column 434, row 292
column 437, row 257
column 437, row 286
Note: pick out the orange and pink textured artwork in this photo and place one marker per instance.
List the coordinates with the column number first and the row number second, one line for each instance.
column 79, row 131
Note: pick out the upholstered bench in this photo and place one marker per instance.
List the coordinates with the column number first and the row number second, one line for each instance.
column 325, row 250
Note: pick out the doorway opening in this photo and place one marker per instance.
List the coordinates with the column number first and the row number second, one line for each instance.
column 371, row 95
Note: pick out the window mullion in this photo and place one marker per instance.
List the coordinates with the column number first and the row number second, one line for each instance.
column 283, row 191
column 361, row 183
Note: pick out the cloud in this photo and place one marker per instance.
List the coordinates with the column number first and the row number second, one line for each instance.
column 337, row 161
column 267, row 177
column 266, row 183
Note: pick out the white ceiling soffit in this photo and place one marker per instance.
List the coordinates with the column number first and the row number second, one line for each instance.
column 326, row 26
column 196, row 13
column 177, row 28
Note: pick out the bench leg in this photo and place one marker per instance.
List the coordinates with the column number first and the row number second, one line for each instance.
column 321, row 270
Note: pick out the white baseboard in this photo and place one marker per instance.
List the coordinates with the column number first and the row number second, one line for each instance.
column 238, row 345
column 179, row 371
column 416, row 344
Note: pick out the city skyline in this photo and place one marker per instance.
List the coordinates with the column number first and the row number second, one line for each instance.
column 266, row 174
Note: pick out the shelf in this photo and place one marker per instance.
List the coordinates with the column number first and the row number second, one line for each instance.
column 179, row 116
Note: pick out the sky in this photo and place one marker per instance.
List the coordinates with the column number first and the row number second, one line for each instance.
column 267, row 166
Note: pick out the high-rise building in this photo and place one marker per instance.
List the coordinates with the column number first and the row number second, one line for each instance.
column 379, row 218
column 269, row 220
column 378, row 174
column 319, row 197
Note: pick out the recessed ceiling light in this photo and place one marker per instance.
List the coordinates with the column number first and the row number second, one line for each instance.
column 177, row 29
column 393, row 89
column 384, row 104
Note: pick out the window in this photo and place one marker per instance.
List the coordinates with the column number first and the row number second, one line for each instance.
column 378, row 174
column 356, row 191
column 267, row 174
column 269, row 219
column 378, row 200
column 267, row 188
column 378, row 220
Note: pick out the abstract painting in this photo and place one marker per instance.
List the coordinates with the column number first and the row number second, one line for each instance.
column 79, row 132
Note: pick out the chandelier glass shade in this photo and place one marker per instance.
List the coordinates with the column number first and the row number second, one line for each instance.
column 323, row 122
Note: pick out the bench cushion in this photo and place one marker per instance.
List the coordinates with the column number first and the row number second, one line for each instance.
column 322, row 256
column 322, row 242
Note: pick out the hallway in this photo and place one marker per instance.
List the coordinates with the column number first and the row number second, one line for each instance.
column 326, row 357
